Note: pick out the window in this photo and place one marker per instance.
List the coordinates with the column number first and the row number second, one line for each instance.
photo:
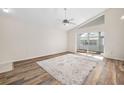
column 92, row 41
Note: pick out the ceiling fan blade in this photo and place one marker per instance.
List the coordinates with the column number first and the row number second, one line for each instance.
column 58, row 21
column 71, row 19
column 72, row 23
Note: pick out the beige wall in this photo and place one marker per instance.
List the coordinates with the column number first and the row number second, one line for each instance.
column 72, row 41
column 19, row 40
column 114, row 34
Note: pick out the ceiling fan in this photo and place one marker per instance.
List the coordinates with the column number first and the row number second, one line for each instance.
column 67, row 21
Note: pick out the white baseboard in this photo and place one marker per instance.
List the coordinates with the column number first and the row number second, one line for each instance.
column 113, row 57
column 6, row 67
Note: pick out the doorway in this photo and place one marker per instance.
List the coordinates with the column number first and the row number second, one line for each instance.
column 91, row 42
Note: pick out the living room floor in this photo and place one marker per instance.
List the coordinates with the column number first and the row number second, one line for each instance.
column 28, row 72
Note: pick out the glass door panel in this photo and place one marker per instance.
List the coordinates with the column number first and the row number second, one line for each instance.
column 93, row 41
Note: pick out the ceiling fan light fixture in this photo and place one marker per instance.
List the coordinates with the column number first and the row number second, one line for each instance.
column 66, row 24
column 67, row 21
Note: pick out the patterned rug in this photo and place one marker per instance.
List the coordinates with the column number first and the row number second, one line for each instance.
column 69, row 69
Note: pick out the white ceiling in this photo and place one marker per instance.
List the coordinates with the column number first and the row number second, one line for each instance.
column 52, row 17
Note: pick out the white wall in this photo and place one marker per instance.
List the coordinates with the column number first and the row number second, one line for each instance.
column 114, row 34
column 19, row 40
column 72, row 41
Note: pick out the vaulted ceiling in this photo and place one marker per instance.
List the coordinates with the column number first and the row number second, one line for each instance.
column 51, row 18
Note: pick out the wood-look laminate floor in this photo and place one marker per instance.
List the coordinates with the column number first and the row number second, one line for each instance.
column 28, row 72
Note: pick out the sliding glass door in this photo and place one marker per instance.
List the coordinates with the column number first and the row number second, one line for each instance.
column 93, row 41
